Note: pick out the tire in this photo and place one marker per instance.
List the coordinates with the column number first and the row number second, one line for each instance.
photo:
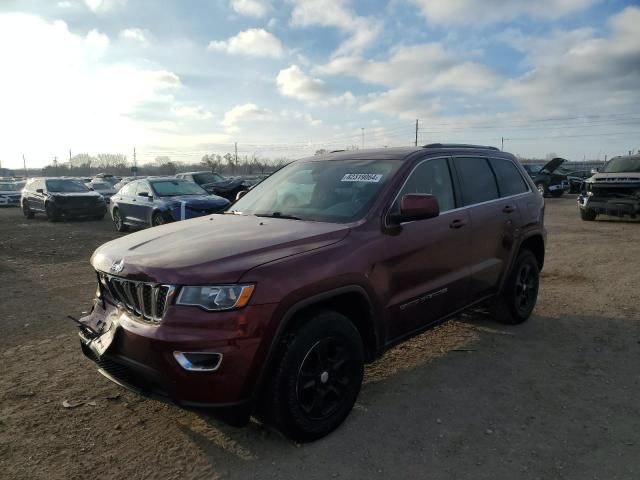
column 26, row 211
column 158, row 218
column 118, row 222
column 588, row 215
column 542, row 188
column 316, row 377
column 51, row 215
column 518, row 298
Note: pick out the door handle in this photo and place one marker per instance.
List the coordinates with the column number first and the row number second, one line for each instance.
column 458, row 223
column 508, row 209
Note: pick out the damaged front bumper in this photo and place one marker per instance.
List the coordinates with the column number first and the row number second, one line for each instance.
column 619, row 201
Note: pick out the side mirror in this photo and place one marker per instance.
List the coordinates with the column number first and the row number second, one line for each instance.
column 241, row 194
column 39, row 190
column 417, row 206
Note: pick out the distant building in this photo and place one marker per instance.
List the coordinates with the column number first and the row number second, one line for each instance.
column 5, row 172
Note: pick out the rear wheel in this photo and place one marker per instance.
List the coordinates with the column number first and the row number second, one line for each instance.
column 26, row 211
column 588, row 215
column 316, row 378
column 118, row 222
column 520, row 293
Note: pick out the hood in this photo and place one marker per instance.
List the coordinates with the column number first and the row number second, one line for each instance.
column 212, row 249
column 615, row 178
column 200, row 200
column 552, row 165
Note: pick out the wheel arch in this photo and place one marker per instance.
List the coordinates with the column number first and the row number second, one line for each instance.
column 534, row 243
column 351, row 301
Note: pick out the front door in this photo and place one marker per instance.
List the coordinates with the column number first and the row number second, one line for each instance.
column 427, row 261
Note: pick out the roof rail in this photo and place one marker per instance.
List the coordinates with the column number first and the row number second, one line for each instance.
column 337, row 151
column 459, row 145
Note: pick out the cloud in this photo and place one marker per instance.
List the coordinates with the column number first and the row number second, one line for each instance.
column 101, row 6
column 244, row 113
column 251, row 8
column 361, row 31
column 136, row 35
column 293, row 82
column 452, row 12
column 568, row 70
column 84, row 101
column 306, row 116
column 253, row 42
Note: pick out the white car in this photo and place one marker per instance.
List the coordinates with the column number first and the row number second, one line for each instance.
column 10, row 193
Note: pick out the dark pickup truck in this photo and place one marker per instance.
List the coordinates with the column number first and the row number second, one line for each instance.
column 615, row 190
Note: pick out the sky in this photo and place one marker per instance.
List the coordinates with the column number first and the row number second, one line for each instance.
column 284, row 78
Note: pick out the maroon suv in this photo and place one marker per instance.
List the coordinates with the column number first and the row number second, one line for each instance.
column 274, row 307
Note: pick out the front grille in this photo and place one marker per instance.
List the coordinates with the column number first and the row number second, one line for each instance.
column 146, row 300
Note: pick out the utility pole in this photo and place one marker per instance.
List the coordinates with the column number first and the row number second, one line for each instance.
column 236, row 149
column 362, row 137
column 55, row 165
column 416, row 142
column 24, row 164
column 70, row 161
column 502, row 148
column 135, row 164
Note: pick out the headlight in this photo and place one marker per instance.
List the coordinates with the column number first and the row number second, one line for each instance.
column 216, row 297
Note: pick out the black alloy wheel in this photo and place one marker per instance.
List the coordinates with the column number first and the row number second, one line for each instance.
column 518, row 299
column 158, row 219
column 323, row 378
column 315, row 378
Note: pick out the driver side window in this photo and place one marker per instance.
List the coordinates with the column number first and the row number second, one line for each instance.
column 431, row 177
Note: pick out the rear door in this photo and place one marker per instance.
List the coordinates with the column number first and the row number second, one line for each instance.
column 427, row 261
column 494, row 219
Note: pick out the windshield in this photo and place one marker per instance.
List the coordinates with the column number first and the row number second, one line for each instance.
column 622, row 165
column 66, row 186
column 10, row 187
column 101, row 186
column 170, row 188
column 322, row 190
column 204, row 178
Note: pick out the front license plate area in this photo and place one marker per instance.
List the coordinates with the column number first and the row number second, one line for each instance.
column 102, row 343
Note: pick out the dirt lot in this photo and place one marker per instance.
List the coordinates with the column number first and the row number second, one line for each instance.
column 556, row 398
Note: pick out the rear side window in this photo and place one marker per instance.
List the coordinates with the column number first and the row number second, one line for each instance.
column 432, row 177
column 478, row 181
column 510, row 182
column 128, row 190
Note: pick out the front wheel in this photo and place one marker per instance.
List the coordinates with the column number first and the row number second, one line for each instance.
column 26, row 211
column 52, row 216
column 518, row 298
column 588, row 215
column 316, row 378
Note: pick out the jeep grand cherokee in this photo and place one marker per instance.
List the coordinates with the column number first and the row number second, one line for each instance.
column 274, row 307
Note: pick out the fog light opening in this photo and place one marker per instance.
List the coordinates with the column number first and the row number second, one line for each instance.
column 198, row 361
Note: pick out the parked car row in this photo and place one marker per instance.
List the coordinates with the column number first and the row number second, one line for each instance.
column 10, row 192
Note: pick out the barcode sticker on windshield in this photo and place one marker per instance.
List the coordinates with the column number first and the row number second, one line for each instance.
column 362, row 177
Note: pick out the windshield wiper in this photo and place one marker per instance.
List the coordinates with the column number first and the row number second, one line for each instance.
column 277, row 215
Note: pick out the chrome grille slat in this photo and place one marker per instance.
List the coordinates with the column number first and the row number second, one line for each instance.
column 143, row 299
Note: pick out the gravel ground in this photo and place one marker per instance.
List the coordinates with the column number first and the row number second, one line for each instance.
column 555, row 398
